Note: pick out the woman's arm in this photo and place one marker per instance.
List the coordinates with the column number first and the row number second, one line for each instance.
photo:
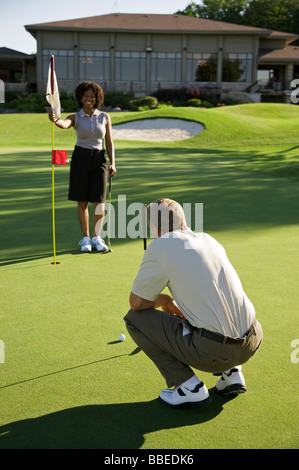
column 66, row 123
column 110, row 146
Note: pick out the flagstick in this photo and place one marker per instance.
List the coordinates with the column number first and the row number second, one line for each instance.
column 53, row 196
column 52, row 76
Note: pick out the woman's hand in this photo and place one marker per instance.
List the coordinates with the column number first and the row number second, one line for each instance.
column 112, row 170
column 52, row 116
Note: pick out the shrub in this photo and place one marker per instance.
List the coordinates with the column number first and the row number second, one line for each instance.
column 27, row 107
column 230, row 102
column 11, row 104
column 176, row 95
column 35, row 103
column 164, row 105
column 213, row 101
column 12, row 99
column 118, row 98
column 207, row 104
column 142, row 104
column 68, row 102
column 12, row 95
column 196, row 102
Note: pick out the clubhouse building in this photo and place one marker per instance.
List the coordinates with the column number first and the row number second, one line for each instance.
column 141, row 53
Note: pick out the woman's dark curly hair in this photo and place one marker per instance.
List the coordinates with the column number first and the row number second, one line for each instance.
column 98, row 93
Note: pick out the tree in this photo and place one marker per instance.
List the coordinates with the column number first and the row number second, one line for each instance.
column 192, row 9
column 278, row 15
column 220, row 10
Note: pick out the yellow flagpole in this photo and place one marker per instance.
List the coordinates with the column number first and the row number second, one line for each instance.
column 53, row 195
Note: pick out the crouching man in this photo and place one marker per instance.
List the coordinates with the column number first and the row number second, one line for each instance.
column 208, row 323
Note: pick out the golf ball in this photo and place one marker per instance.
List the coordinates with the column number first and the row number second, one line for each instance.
column 121, row 337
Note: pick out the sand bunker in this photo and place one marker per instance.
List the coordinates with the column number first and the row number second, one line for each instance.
column 157, row 130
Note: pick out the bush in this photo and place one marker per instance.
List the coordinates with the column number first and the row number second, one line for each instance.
column 35, row 102
column 28, row 107
column 196, row 102
column 176, row 95
column 68, row 102
column 12, row 95
column 12, row 99
column 118, row 99
column 230, row 102
column 142, row 104
column 207, row 104
column 11, row 104
column 164, row 105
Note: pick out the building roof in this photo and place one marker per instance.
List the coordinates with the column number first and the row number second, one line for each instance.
column 151, row 23
column 287, row 54
column 11, row 53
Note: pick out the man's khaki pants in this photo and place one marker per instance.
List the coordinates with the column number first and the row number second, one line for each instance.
column 160, row 336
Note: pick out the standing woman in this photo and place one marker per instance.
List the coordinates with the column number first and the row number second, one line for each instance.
column 88, row 174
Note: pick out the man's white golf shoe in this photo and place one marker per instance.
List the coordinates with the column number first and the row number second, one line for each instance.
column 232, row 382
column 180, row 396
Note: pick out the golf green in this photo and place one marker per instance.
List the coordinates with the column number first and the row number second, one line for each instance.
column 65, row 379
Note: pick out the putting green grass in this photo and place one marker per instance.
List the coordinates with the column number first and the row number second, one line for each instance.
column 66, row 382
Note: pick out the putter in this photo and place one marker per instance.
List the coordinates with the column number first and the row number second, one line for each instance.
column 109, row 213
column 144, row 227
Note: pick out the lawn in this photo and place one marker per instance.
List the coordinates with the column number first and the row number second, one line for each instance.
column 66, row 382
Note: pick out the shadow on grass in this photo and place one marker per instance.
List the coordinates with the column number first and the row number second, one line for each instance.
column 48, row 257
column 106, row 426
column 36, row 257
column 238, row 189
column 110, row 426
column 133, row 353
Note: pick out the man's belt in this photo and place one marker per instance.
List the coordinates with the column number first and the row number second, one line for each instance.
column 224, row 339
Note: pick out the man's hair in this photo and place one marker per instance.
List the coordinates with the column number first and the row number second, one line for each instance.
column 98, row 93
column 166, row 215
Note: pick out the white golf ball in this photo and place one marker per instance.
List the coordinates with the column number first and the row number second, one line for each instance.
column 121, row 337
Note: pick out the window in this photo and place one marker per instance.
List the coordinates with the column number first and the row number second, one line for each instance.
column 166, row 67
column 237, row 68
column 94, row 65
column 296, row 71
column 130, row 66
column 64, row 63
column 202, row 67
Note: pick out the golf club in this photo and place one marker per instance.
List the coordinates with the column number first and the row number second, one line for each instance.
column 144, row 227
column 109, row 213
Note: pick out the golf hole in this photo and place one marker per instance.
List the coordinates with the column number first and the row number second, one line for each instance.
column 57, row 262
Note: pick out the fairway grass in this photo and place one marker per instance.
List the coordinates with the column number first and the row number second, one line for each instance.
column 66, row 382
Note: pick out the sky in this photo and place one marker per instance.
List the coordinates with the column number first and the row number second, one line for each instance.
column 14, row 14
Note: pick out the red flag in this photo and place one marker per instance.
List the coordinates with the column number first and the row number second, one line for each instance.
column 59, row 157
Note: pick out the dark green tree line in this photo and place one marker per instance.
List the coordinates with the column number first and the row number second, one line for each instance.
column 278, row 15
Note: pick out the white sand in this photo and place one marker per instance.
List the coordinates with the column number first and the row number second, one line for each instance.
column 157, row 130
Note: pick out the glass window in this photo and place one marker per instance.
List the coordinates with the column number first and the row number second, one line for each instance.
column 94, row 65
column 237, row 67
column 202, row 67
column 130, row 66
column 166, row 67
column 296, row 71
column 64, row 63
